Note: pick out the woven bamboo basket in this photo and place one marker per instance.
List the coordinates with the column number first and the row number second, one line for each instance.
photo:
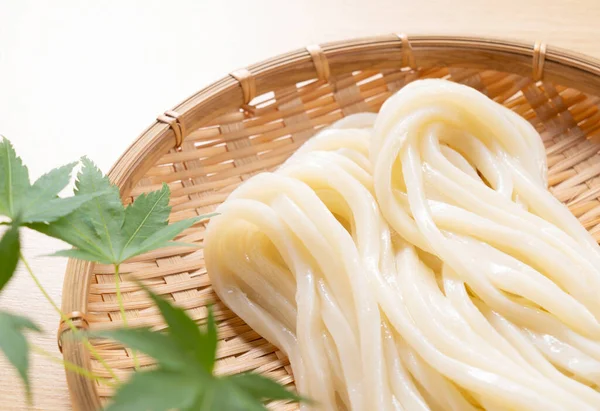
column 253, row 119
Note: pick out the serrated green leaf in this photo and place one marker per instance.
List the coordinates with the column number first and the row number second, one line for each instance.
column 25, row 203
column 76, row 230
column 105, row 212
column 202, row 346
column 14, row 180
column 211, row 340
column 102, row 228
column 81, row 255
column 235, row 399
column 261, row 388
column 83, row 228
column 14, row 344
column 158, row 390
column 51, row 210
column 148, row 214
column 45, row 189
column 51, row 183
column 161, row 238
column 206, row 216
column 183, row 353
column 222, row 395
column 159, row 346
column 10, row 248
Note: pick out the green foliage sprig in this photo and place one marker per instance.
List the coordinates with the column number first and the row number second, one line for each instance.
column 100, row 229
column 184, row 377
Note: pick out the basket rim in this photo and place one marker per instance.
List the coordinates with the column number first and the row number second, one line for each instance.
column 547, row 63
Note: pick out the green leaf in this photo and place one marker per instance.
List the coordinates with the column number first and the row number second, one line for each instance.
column 105, row 213
column 209, row 353
column 51, row 183
column 187, row 335
column 102, row 230
column 235, row 399
column 25, row 203
column 159, row 346
column 76, row 230
column 81, row 255
column 222, row 395
column 225, row 394
column 158, row 390
column 52, row 210
column 14, row 344
column 44, row 190
column 14, row 180
column 148, row 214
column 261, row 388
column 10, row 248
column 186, row 357
column 160, row 238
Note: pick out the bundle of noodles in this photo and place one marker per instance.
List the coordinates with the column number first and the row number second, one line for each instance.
column 415, row 260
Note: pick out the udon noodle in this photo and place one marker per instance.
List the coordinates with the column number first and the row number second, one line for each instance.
column 415, row 260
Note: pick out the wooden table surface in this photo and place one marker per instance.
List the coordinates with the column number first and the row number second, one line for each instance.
column 80, row 77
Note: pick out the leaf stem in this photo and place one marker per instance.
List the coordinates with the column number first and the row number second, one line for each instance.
column 66, row 320
column 136, row 362
column 72, row 367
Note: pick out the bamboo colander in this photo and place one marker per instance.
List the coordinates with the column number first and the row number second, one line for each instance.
column 253, row 119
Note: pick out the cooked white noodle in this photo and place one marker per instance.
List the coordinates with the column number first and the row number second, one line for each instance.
column 415, row 260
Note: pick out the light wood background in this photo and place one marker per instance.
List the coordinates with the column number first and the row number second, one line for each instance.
column 86, row 77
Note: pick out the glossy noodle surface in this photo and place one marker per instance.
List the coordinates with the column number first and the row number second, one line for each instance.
column 415, row 260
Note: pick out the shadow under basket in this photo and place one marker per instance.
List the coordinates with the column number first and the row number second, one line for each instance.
column 255, row 118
